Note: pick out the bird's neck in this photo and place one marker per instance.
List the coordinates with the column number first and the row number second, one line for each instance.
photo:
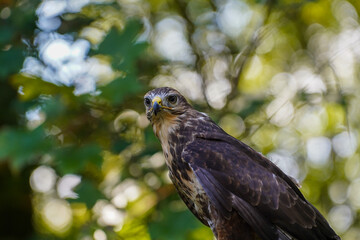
column 175, row 131
column 164, row 126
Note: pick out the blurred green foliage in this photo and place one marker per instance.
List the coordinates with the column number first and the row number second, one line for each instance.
column 122, row 58
column 281, row 76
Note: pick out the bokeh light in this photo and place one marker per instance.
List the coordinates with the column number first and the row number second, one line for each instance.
column 43, row 179
column 57, row 215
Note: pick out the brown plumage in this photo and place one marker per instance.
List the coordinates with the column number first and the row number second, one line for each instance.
column 227, row 185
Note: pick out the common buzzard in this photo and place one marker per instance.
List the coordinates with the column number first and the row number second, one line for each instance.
column 227, row 185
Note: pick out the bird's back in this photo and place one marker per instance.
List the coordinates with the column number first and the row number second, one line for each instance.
column 241, row 173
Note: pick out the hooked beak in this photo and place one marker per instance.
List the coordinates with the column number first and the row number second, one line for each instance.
column 157, row 104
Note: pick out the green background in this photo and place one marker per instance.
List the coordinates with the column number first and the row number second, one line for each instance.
column 281, row 75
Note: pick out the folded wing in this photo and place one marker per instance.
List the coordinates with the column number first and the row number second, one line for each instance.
column 236, row 177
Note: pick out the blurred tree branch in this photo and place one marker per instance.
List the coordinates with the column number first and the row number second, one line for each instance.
column 199, row 62
column 245, row 55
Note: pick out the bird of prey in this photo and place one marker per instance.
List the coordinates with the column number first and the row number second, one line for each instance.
column 228, row 186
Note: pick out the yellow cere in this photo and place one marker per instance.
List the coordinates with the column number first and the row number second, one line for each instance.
column 157, row 99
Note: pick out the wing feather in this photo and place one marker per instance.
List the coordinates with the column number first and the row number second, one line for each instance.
column 244, row 180
column 226, row 201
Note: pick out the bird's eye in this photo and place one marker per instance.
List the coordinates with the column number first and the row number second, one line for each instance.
column 172, row 99
column 147, row 101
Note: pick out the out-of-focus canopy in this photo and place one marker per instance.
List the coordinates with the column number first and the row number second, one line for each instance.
column 78, row 158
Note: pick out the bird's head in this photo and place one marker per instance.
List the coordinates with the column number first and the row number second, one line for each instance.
column 164, row 104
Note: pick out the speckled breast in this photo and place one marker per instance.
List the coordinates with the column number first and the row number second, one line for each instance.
column 188, row 187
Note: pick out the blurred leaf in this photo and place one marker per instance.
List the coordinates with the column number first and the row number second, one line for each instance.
column 22, row 146
column 124, row 50
column 118, row 89
column 23, row 17
column 8, row 111
column 152, row 144
column 33, row 87
column 336, row 117
column 202, row 233
column 150, row 137
column 87, row 193
column 134, row 230
column 119, row 145
column 252, row 107
column 11, row 61
column 73, row 22
column 73, row 159
column 53, row 108
column 7, row 33
column 122, row 46
column 173, row 225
